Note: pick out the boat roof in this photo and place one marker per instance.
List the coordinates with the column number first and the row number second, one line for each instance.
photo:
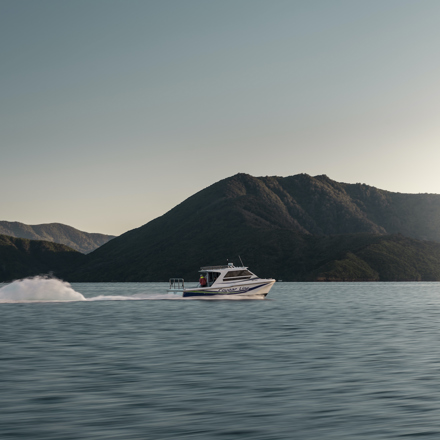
column 222, row 267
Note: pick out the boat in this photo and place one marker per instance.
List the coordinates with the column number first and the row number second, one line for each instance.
column 228, row 280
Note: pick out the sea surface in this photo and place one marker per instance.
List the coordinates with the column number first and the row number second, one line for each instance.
column 129, row 361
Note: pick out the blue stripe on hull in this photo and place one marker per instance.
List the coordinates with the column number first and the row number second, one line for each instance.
column 211, row 293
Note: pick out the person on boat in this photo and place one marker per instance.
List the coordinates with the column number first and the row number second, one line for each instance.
column 202, row 281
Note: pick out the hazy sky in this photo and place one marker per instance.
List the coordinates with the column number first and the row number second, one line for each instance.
column 112, row 112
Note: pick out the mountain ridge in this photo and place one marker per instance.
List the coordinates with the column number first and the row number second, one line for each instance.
column 84, row 242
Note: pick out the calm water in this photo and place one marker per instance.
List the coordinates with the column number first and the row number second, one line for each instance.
column 313, row 361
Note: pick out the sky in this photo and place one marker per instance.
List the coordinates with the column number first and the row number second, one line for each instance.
column 113, row 112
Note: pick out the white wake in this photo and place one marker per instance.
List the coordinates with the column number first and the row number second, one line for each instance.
column 43, row 289
column 39, row 289
column 136, row 297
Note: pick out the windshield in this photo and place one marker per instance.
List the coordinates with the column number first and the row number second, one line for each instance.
column 237, row 275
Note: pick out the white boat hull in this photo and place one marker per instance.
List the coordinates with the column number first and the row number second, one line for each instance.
column 256, row 289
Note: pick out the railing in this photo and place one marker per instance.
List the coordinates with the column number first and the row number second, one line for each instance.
column 177, row 283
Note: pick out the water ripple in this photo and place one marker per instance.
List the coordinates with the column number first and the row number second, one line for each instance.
column 318, row 361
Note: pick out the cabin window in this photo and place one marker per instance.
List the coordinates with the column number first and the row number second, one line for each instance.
column 213, row 277
column 237, row 275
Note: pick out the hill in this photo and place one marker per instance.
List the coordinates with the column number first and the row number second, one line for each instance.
column 58, row 233
column 293, row 228
column 366, row 257
column 20, row 258
column 321, row 206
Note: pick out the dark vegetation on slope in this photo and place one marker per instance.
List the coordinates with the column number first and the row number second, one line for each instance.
column 293, row 228
column 21, row 258
column 58, row 233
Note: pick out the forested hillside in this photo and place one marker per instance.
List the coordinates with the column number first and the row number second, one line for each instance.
column 20, row 258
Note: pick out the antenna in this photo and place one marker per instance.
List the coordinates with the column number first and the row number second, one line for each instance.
column 241, row 261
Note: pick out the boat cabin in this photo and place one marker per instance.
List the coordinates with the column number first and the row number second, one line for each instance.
column 225, row 274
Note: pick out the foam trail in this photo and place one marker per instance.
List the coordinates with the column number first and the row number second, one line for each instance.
column 39, row 289
column 135, row 297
